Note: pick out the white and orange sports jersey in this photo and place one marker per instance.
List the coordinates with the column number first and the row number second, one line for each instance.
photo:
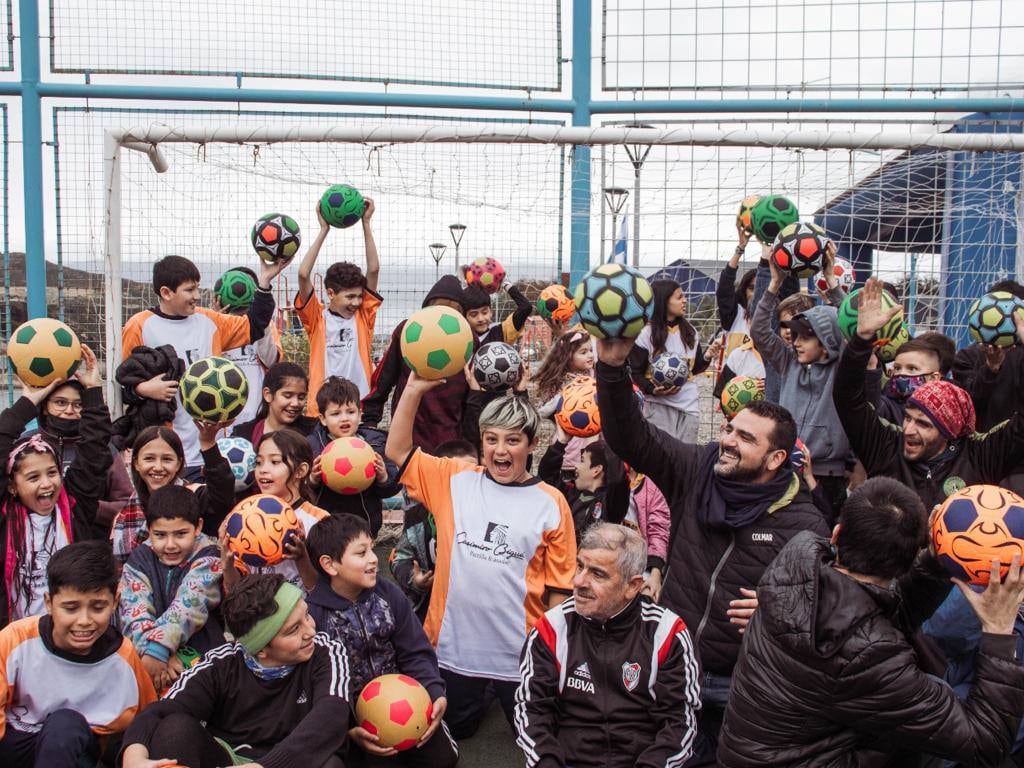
column 338, row 346
column 194, row 337
column 499, row 548
column 254, row 360
column 108, row 688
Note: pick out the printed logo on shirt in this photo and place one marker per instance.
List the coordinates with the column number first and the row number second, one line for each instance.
column 583, row 670
column 630, row 674
column 302, row 698
column 344, row 341
column 952, row 484
column 580, row 679
column 496, row 533
column 762, row 537
column 494, row 547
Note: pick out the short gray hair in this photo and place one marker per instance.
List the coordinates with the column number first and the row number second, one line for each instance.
column 624, row 541
column 512, row 413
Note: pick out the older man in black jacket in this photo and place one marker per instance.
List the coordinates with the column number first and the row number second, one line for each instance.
column 827, row 675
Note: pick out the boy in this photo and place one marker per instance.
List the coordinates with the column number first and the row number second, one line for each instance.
column 500, row 533
column 340, row 334
column 928, row 357
column 194, row 332
column 337, row 402
column 600, row 491
column 374, row 621
column 68, row 677
column 277, row 697
column 169, row 587
column 412, row 559
column 232, row 295
column 479, row 315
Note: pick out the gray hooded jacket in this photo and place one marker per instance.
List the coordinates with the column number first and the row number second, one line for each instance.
column 807, row 389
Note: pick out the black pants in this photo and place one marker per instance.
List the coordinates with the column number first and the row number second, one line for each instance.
column 65, row 741
column 468, row 698
column 440, row 752
column 182, row 738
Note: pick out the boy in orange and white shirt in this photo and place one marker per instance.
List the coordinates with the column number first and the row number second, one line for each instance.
column 69, row 678
column 340, row 334
column 506, row 550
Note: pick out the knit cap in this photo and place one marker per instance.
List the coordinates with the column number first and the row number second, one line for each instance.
column 948, row 406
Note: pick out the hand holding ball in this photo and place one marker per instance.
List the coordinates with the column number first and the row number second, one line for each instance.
column 975, row 525
column 396, row 709
column 346, row 465
column 342, row 206
column 258, row 528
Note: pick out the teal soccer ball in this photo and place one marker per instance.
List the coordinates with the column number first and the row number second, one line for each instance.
column 614, row 302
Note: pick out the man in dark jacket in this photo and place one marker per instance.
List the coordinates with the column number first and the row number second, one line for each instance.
column 827, row 675
column 936, row 452
column 734, row 504
column 608, row 679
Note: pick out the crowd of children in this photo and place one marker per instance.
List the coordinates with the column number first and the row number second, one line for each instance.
column 129, row 633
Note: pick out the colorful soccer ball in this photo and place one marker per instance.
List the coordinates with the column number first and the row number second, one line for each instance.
column 242, row 458
column 258, row 529
column 990, row 319
column 42, row 350
column 346, row 465
column 214, row 390
column 578, row 415
column 770, row 215
column 975, row 525
column 887, row 350
column 396, row 709
column 276, row 237
column 436, row 342
column 342, row 205
column 847, row 318
column 497, row 365
column 487, row 272
column 743, row 218
column 800, row 248
column 740, row 392
column 614, row 301
column 843, row 270
column 670, row 370
column 555, row 303
column 799, row 455
column 235, row 289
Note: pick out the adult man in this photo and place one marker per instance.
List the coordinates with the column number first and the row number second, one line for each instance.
column 936, row 452
column 608, row 679
column 734, row 504
column 828, row 676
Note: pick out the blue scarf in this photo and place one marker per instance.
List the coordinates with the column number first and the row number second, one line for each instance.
column 267, row 673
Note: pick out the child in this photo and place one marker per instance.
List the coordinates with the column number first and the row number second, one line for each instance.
column 278, row 696
column 676, row 408
column 340, row 334
column 928, row 357
column 571, row 357
column 283, row 464
column 479, row 315
column 194, row 332
column 599, row 491
column 337, row 402
column 649, row 514
column 285, row 390
column 169, row 586
column 41, row 511
column 68, row 678
column 500, row 531
column 158, row 460
column 440, row 418
column 254, row 359
column 374, row 621
column 412, row 559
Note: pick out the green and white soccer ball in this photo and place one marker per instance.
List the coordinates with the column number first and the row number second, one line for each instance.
column 614, row 301
column 214, row 390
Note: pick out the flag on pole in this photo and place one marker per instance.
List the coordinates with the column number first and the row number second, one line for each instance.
column 619, row 248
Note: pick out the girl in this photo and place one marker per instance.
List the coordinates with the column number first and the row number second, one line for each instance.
column 675, row 409
column 284, row 403
column 42, row 512
column 283, row 463
column 158, row 459
column 571, row 357
column 649, row 514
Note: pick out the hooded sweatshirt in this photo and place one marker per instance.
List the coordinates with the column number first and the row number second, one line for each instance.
column 807, row 389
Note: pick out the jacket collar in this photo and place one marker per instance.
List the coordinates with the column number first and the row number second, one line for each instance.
column 623, row 620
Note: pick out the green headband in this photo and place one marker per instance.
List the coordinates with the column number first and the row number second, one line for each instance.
column 259, row 637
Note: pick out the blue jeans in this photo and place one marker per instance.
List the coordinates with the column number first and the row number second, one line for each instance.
column 65, row 741
column 714, row 696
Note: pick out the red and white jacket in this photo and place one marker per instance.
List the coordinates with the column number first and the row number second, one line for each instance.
column 619, row 694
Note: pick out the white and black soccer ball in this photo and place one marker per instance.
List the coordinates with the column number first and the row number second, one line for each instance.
column 670, row 370
column 242, row 458
column 497, row 365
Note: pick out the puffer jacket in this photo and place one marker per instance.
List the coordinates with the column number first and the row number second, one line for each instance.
column 828, row 677
column 706, row 566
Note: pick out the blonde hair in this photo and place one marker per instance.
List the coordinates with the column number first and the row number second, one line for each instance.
column 512, row 413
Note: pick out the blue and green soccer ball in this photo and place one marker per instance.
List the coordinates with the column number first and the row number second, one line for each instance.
column 614, row 301
column 242, row 458
column 990, row 319
column 342, row 205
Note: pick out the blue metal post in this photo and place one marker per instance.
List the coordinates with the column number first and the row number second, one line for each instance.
column 32, row 158
column 579, row 238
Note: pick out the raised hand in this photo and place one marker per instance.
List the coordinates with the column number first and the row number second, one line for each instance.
column 871, row 317
column 997, row 606
column 368, row 209
column 38, row 394
column 88, row 373
column 614, row 351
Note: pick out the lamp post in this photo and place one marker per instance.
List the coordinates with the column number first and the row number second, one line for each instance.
column 437, row 253
column 457, row 230
column 615, row 197
column 637, row 155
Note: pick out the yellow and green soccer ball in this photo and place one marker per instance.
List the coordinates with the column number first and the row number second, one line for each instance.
column 990, row 319
column 42, row 350
column 740, row 392
column 436, row 342
column 214, row 390
column 614, row 301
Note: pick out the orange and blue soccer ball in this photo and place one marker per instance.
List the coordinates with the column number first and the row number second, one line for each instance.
column 258, row 529
column 975, row 525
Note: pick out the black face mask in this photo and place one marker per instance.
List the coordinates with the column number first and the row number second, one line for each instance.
column 62, row 427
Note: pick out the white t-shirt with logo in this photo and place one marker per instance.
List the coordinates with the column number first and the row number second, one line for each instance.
column 687, row 399
column 341, row 352
column 44, row 535
column 253, row 359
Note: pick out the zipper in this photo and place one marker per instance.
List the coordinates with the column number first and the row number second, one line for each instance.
column 366, row 639
column 711, row 590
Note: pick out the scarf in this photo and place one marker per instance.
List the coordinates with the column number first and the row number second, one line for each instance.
column 267, row 673
column 726, row 503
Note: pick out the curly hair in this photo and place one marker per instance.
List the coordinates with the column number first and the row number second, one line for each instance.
column 251, row 601
column 343, row 275
column 552, row 373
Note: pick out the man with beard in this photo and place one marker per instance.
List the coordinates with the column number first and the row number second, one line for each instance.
column 734, row 504
column 936, row 452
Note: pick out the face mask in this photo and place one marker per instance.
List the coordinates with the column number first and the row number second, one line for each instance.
column 63, row 427
column 902, row 386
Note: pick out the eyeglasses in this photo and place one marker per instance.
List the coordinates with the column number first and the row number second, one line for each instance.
column 62, row 405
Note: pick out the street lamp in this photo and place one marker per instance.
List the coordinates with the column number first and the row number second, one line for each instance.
column 615, row 197
column 437, row 252
column 637, row 154
column 457, row 230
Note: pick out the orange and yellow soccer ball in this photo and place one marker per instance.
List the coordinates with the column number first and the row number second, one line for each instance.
column 346, row 465
column 42, row 350
column 975, row 525
column 578, row 415
column 396, row 709
column 743, row 219
column 258, row 529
